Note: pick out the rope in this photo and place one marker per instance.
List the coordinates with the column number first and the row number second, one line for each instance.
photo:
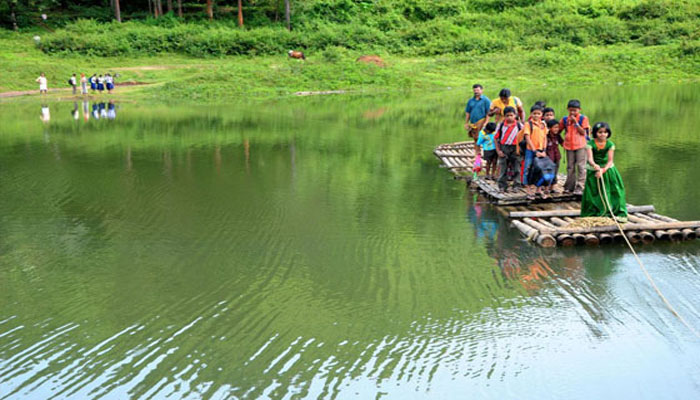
column 604, row 196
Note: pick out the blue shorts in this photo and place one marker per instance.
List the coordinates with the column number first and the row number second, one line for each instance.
column 110, row 86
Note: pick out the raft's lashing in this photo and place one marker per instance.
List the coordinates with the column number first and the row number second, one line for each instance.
column 549, row 228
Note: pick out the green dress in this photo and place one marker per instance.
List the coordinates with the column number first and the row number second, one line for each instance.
column 592, row 204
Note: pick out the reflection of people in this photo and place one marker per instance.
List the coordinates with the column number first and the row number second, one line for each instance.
column 95, row 111
column 43, row 84
column 111, row 110
column 476, row 110
column 486, row 228
column 74, row 112
column 45, row 113
column 103, row 110
column 86, row 110
column 602, row 173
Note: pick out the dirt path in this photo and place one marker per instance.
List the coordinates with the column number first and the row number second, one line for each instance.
column 31, row 92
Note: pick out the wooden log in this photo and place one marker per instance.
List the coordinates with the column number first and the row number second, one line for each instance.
column 689, row 234
column 662, row 235
column 605, row 238
column 546, row 241
column 626, row 227
column 633, row 237
column 617, row 237
column 540, row 227
column 558, row 221
column 697, row 232
column 591, row 239
column 570, row 213
column 675, row 234
column 579, row 238
column 661, row 217
column 647, row 237
column 566, row 240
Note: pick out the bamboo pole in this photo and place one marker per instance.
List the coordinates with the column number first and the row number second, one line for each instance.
column 527, row 231
column 571, row 213
column 627, row 227
column 544, row 240
column 605, row 238
column 647, row 237
column 633, row 237
column 689, row 234
column 580, row 239
column 566, row 240
column 592, row 240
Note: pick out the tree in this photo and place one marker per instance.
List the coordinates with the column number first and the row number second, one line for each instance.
column 179, row 8
column 13, row 17
column 210, row 9
column 170, row 6
column 287, row 13
column 240, row 13
column 117, row 11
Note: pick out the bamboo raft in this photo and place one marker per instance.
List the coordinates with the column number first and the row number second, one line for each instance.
column 459, row 157
column 557, row 222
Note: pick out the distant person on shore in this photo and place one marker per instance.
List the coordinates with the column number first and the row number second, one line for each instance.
column 487, row 142
column 73, row 82
column 100, row 83
column 93, row 82
column 603, row 175
column 506, row 139
column 109, row 82
column 575, row 127
column 505, row 99
column 83, row 84
column 475, row 112
column 43, row 84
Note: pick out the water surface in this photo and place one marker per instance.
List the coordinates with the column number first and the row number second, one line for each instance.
column 312, row 248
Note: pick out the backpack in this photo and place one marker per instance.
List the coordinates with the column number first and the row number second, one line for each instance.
column 70, row 83
column 523, row 143
column 543, row 171
column 565, row 121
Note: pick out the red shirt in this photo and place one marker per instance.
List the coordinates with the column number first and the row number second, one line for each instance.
column 573, row 140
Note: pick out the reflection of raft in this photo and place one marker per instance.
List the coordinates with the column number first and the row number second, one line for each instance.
column 555, row 221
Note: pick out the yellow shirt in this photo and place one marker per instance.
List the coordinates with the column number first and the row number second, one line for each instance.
column 498, row 103
column 538, row 135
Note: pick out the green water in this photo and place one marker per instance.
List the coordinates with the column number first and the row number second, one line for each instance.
column 312, row 248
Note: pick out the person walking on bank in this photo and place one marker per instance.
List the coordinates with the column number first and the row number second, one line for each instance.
column 43, row 84
column 93, row 82
column 575, row 127
column 73, row 82
column 83, row 84
column 109, row 82
column 603, row 178
column 475, row 112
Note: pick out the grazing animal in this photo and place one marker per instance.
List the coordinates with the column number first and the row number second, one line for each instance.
column 369, row 59
column 296, row 54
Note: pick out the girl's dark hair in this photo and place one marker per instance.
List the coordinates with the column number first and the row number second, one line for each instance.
column 598, row 126
column 552, row 122
column 509, row 109
column 548, row 109
column 490, row 127
column 504, row 93
column 536, row 107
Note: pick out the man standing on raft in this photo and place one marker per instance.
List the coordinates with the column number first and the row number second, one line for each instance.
column 476, row 110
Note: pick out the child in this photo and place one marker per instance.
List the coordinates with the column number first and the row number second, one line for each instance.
column 93, row 82
column 602, row 173
column 83, row 84
column 575, row 127
column 535, row 133
column 109, row 82
column 548, row 114
column 100, row 83
column 73, row 82
column 554, row 139
column 43, row 84
column 486, row 142
column 506, row 137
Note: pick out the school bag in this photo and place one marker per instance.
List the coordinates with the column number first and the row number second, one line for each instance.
column 543, row 171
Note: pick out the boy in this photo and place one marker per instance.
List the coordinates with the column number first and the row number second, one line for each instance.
column 486, row 142
column 548, row 114
column 73, row 82
column 554, row 139
column 535, row 133
column 506, row 140
column 575, row 127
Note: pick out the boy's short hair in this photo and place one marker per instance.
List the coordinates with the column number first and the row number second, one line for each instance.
column 536, row 107
column 505, row 92
column 509, row 110
column 573, row 103
column 541, row 103
column 477, row 85
column 490, row 127
column 548, row 109
column 552, row 122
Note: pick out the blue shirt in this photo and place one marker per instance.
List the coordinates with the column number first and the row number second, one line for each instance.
column 477, row 109
column 486, row 141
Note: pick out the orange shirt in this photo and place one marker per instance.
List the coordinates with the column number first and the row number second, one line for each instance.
column 573, row 140
column 538, row 135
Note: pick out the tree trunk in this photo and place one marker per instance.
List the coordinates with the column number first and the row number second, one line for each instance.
column 287, row 13
column 179, row 8
column 170, row 6
column 210, row 9
column 277, row 11
column 150, row 8
column 13, row 17
column 117, row 11
column 240, row 13
column 160, row 7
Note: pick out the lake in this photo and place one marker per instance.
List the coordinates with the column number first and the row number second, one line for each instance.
column 312, row 248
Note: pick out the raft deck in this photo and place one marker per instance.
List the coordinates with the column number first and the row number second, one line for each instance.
column 547, row 221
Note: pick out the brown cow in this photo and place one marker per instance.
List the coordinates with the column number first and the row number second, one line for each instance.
column 296, row 54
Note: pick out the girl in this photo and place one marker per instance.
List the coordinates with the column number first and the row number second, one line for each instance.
column 554, row 140
column 109, row 82
column 43, row 84
column 93, row 82
column 603, row 174
column 100, row 83
column 83, row 84
column 486, row 142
